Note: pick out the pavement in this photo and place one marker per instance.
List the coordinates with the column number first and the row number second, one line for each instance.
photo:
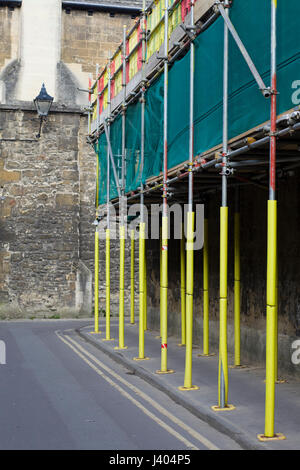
column 246, row 387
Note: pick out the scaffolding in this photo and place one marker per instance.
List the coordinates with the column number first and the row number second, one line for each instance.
column 194, row 59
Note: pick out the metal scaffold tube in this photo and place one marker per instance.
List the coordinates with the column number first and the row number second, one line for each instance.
column 144, row 38
column 165, row 218
column 223, row 366
column 223, row 355
column 271, row 327
column 98, row 139
column 122, row 209
column 96, row 283
column 107, row 234
column 239, row 43
column 111, row 160
column 190, row 228
column 142, row 225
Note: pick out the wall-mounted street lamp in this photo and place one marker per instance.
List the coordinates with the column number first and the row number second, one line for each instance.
column 43, row 104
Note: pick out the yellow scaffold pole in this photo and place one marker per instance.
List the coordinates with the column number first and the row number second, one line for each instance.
column 206, row 352
column 107, row 285
column 205, row 292
column 271, row 327
column 122, row 285
column 164, row 299
column 277, row 380
column 237, row 284
column 142, row 226
column 145, row 289
column 96, row 284
column 223, row 355
column 182, row 288
column 132, row 236
column 96, row 289
column 160, row 277
column 189, row 303
column 223, row 361
column 271, row 333
column 142, row 236
column 164, row 252
column 190, row 229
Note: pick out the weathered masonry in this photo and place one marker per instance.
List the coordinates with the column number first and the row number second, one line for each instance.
column 48, row 184
column 200, row 104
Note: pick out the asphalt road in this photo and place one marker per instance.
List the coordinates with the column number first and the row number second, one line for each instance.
column 59, row 392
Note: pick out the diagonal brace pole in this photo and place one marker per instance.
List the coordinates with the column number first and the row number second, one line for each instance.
column 266, row 91
column 112, row 159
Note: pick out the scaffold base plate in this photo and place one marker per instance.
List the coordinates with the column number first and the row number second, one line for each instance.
column 188, row 389
column 227, row 408
column 276, row 437
column 169, row 371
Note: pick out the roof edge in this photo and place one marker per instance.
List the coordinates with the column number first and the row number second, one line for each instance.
column 91, row 6
column 10, row 3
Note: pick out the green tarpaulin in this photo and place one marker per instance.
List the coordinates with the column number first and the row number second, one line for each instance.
column 247, row 106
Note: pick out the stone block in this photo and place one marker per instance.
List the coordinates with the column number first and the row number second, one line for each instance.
column 66, row 200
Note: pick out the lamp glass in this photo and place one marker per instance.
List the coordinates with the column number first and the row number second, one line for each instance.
column 43, row 102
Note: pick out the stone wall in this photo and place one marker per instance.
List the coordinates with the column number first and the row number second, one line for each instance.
column 88, row 40
column 9, row 32
column 9, row 46
column 46, row 213
column 253, row 276
column 39, row 213
column 5, row 34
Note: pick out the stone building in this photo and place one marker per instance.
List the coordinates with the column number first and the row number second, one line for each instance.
column 48, row 183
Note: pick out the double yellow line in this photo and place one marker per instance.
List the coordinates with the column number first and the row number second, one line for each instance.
column 99, row 367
